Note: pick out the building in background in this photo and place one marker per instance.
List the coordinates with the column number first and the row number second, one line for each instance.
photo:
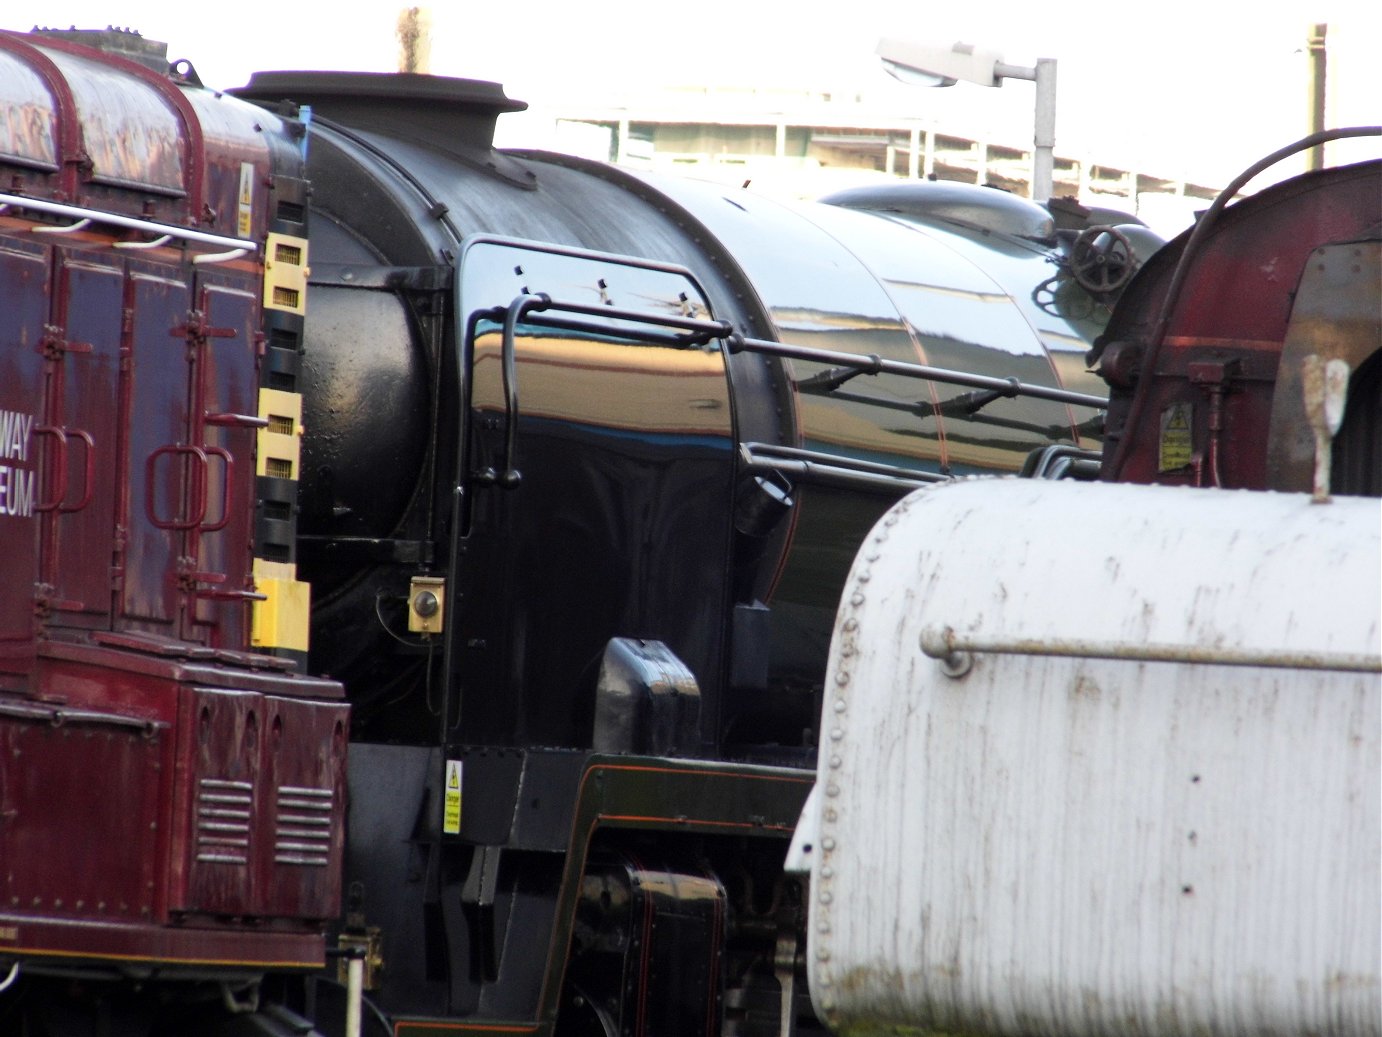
column 800, row 144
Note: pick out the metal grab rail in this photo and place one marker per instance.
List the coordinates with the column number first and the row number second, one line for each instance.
column 194, row 490
column 874, row 364
column 541, row 310
column 951, row 648
column 834, row 469
column 113, row 219
column 698, row 332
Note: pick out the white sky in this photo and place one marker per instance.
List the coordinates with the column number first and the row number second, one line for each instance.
column 1193, row 89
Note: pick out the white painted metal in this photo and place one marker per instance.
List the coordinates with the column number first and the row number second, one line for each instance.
column 80, row 214
column 1065, row 844
column 355, row 987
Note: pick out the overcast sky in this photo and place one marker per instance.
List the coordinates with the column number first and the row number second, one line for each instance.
column 1193, row 89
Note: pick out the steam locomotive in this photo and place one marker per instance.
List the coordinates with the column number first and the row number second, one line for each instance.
column 422, row 559
column 1126, row 781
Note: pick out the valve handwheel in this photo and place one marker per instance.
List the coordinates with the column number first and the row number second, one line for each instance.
column 1102, row 259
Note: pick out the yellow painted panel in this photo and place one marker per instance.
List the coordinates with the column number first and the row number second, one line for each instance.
column 280, row 443
column 281, row 620
column 285, row 274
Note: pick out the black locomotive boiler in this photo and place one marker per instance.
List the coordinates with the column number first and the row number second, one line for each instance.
column 639, row 524
column 585, row 457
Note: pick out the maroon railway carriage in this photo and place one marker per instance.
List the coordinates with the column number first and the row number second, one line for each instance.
column 171, row 791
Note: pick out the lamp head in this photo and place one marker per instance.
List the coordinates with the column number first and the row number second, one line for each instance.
column 927, row 64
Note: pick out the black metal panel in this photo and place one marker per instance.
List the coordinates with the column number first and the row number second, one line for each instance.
column 617, row 519
column 392, row 865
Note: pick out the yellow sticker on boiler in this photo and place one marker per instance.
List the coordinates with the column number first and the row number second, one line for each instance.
column 1176, row 442
column 451, row 800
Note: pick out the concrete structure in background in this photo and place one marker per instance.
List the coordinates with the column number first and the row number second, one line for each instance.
column 805, row 145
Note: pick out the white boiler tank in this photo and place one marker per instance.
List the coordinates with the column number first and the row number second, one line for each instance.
column 1102, row 759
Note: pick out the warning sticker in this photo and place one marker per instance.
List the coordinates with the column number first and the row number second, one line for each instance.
column 244, row 223
column 451, row 808
column 1176, row 444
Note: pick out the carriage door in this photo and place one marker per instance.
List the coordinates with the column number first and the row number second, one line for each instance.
column 192, row 422
column 79, row 432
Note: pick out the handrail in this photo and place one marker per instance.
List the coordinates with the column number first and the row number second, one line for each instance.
column 525, row 306
column 874, row 364
column 509, row 476
column 543, row 311
column 951, row 647
column 835, row 468
column 113, row 219
column 698, row 332
column 195, row 490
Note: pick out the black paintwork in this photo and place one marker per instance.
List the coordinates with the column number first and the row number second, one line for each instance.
column 577, row 481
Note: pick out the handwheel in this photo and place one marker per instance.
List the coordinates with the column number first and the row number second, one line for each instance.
column 1101, row 259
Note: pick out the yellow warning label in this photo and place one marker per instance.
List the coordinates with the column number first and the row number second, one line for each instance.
column 1177, row 447
column 244, row 223
column 451, row 808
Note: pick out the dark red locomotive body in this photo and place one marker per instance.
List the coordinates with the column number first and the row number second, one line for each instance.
column 1204, row 354
column 169, row 798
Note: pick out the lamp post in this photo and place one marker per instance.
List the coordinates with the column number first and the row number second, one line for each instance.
column 930, row 65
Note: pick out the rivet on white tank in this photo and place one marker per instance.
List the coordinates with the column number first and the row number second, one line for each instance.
column 831, row 816
column 856, row 598
column 833, row 791
column 864, row 576
column 837, row 733
column 825, row 896
column 851, row 624
column 841, row 705
column 827, row 872
column 828, row 843
column 836, row 762
column 823, row 928
column 822, row 953
column 842, row 678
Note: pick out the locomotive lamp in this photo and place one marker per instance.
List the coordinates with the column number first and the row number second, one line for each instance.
column 923, row 64
column 426, row 604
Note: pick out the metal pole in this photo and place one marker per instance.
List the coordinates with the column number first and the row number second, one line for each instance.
column 1044, row 135
column 1044, row 158
column 621, row 142
column 1316, row 82
column 355, row 983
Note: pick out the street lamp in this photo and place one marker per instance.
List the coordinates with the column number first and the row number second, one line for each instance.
column 929, row 65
